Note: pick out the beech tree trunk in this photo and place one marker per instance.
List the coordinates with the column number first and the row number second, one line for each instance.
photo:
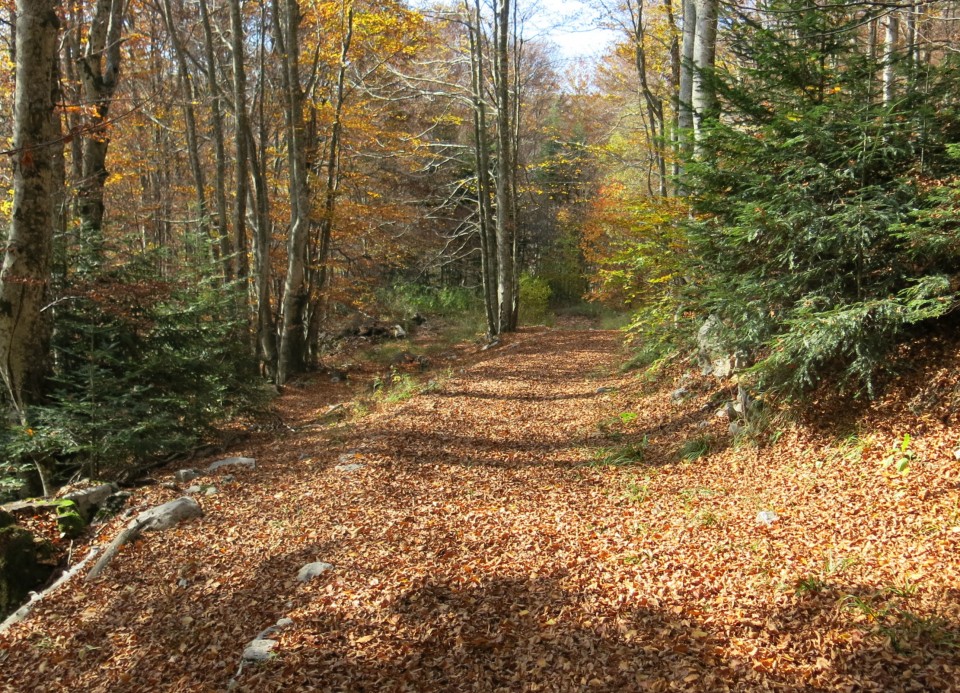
column 25, row 275
column 481, row 152
column 704, row 98
column 505, row 219
column 889, row 58
column 292, row 356
column 99, row 75
column 216, row 124
column 241, row 265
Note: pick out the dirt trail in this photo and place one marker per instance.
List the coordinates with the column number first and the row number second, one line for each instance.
column 480, row 548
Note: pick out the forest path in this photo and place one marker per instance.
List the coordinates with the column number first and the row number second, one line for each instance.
column 481, row 547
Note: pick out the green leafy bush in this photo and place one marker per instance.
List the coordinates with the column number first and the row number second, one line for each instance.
column 535, row 295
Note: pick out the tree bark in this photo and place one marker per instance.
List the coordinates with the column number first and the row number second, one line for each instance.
column 241, row 265
column 25, row 274
column 889, row 59
column 292, row 356
column 99, row 76
column 704, row 98
column 481, row 152
column 189, row 116
column 216, row 123
column 506, row 279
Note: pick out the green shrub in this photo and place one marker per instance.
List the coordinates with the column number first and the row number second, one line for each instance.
column 534, row 300
column 143, row 369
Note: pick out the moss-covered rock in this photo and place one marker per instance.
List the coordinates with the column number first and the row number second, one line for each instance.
column 21, row 566
column 6, row 519
column 69, row 520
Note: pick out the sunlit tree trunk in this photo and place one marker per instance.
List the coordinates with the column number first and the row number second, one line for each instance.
column 216, row 124
column 481, row 151
column 189, row 115
column 241, row 266
column 889, row 58
column 685, row 112
column 292, row 356
column 704, row 98
column 25, row 275
column 505, row 219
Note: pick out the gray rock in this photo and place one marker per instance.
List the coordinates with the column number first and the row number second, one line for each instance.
column 312, row 570
column 194, row 489
column 247, row 462
column 712, row 353
column 182, row 476
column 169, row 485
column 604, row 390
column 734, row 428
column 348, row 467
column 678, row 394
column 398, row 332
column 767, row 517
column 169, row 514
column 347, row 457
column 210, row 491
column 229, row 479
column 275, row 628
column 259, row 650
column 89, row 499
column 113, row 505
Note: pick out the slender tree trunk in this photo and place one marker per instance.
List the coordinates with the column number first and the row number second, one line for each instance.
column 321, row 257
column 241, row 266
column 481, row 149
column 704, row 98
column 296, row 295
column 25, row 275
column 216, row 123
column 506, row 280
column 99, row 75
column 685, row 111
column 675, row 70
column 189, row 116
column 266, row 327
column 889, row 58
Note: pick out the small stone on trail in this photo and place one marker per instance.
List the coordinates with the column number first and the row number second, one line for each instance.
column 169, row 485
column 194, row 489
column 247, row 462
column 348, row 467
column 182, row 476
column 678, row 394
column 210, row 491
column 767, row 517
column 604, row 390
column 259, row 650
column 312, row 570
column 229, row 479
